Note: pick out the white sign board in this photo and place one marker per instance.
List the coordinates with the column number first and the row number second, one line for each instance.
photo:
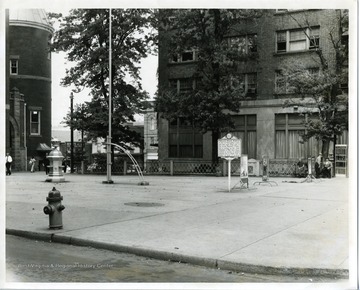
column 229, row 147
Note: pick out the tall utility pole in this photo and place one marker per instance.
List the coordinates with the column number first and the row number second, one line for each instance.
column 7, row 82
column 108, row 139
column 82, row 135
column 71, row 133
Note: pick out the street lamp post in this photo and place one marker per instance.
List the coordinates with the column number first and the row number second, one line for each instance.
column 71, row 133
column 108, row 139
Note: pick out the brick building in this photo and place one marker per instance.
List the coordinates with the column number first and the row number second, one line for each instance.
column 28, row 85
column 264, row 124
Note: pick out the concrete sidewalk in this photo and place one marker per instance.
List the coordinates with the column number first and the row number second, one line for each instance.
column 293, row 228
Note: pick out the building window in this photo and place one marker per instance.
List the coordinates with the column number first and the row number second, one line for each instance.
column 249, row 84
column 314, row 38
column 34, row 122
column 185, row 140
column 289, row 144
column 183, row 85
column 288, row 131
column 245, row 129
column 281, row 84
column 298, row 39
column 153, row 141
column 281, row 41
column 244, row 44
column 186, row 56
column 152, row 124
column 14, row 66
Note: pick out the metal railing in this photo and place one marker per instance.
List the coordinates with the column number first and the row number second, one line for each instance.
column 201, row 167
column 282, row 167
column 100, row 167
column 157, row 167
column 177, row 167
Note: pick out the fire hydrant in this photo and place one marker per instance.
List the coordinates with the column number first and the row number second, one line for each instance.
column 54, row 209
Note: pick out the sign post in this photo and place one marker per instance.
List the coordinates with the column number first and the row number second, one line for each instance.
column 229, row 172
column 310, row 177
column 229, row 148
column 265, row 176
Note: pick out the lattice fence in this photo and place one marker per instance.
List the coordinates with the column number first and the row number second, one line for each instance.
column 100, row 167
column 282, row 167
column 201, row 167
column 175, row 167
column 157, row 167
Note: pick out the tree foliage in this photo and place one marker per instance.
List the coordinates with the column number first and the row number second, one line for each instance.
column 84, row 36
column 324, row 87
column 218, row 91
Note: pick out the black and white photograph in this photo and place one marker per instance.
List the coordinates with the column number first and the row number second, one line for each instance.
column 192, row 145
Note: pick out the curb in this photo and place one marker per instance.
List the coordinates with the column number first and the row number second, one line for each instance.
column 170, row 256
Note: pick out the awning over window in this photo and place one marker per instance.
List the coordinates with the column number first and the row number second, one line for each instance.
column 43, row 147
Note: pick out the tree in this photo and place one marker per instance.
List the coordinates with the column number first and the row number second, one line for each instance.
column 84, row 35
column 326, row 88
column 218, row 90
column 80, row 120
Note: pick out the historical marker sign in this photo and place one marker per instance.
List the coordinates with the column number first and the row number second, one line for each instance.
column 229, row 147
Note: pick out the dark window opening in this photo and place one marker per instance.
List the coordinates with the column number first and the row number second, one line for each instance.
column 185, row 141
column 187, row 56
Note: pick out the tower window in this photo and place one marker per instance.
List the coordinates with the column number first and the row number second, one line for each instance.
column 14, row 66
column 35, row 123
column 49, row 42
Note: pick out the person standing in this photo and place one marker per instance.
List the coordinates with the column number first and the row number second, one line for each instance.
column 8, row 162
column 318, row 162
column 64, row 165
column 32, row 164
column 46, row 164
column 327, row 168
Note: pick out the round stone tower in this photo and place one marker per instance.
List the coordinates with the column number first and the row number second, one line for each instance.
column 28, row 124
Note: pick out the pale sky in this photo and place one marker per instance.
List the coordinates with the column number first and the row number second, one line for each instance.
column 61, row 95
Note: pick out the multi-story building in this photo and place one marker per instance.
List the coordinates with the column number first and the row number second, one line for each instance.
column 266, row 126
column 28, row 85
column 150, row 134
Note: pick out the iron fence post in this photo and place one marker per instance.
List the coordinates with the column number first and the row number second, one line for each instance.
column 125, row 167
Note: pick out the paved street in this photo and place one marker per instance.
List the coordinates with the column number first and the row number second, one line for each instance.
column 39, row 261
column 293, row 228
